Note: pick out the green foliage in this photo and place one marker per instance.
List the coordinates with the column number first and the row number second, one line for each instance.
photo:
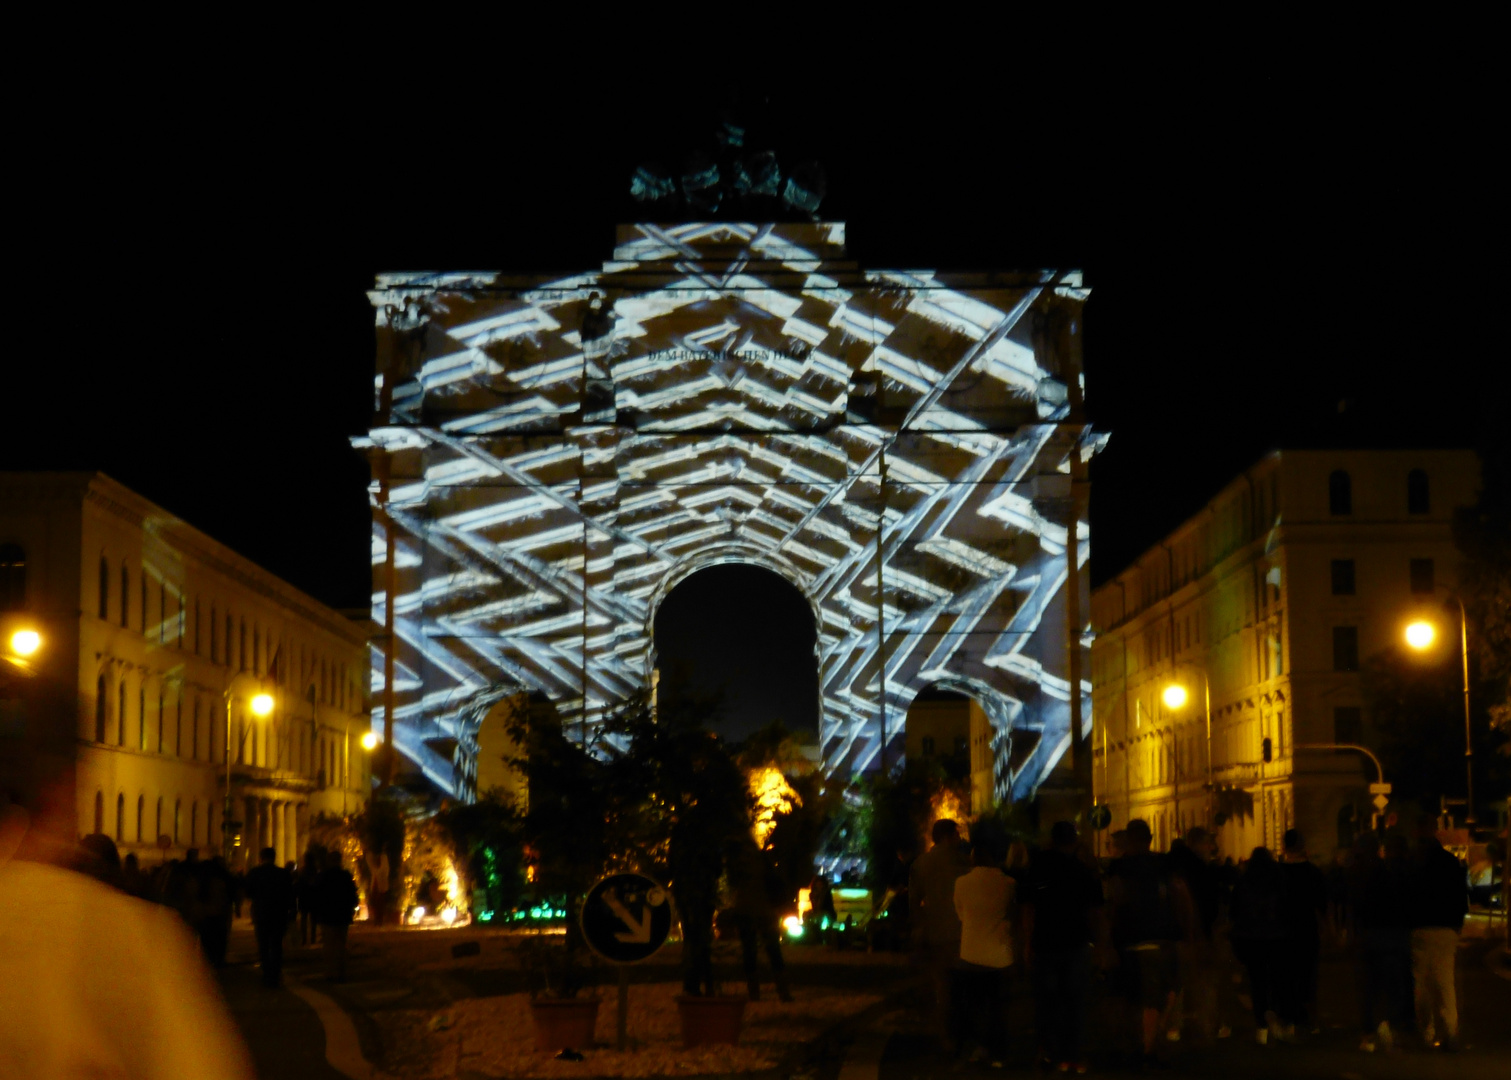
column 893, row 814
column 1483, row 536
column 487, row 841
column 1416, row 704
column 380, row 827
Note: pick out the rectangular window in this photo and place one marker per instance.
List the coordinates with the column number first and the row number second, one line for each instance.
column 1348, row 724
column 1343, row 577
column 1345, row 648
column 1421, row 576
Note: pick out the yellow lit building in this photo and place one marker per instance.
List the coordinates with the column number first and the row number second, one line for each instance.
column 1267, row 603
column 150, row 632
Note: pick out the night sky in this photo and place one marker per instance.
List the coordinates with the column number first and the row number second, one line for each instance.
column 1279, row 255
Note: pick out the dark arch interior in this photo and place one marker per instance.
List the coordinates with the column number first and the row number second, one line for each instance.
column 745, row 635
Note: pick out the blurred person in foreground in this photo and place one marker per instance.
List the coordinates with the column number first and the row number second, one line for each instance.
column 1260, row 940
column 94, row 982
column 1439, row 901
column 335, row 907
column 984, row 900
column 1062, row 920
column 271, row 889
column 1149, row 908
column 936, row 925
column 1378, row 924
column 1303, row 906
column 1191, row 861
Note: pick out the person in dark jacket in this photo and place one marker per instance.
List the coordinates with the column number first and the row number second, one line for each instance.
column 1150, row 911
column 217, row 890
column 936, row 924
column 1304, row 905
column 335, row 906
column 1378, row 924
column 1062, row 921
column 1191, row 861
column 304, row 893
column 756, row 889
column 1439, row 900
column 1259, row 937
column 270, row 888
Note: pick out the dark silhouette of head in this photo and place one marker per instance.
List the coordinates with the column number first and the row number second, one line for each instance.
column 1062, row 836
column 1295, row 843
column 1137, row 836
column 945, row 831
column 269, row 856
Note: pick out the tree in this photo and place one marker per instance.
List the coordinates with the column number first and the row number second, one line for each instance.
column 487, row 841
column 1483, row 535
column 678, row 796
column 1416, row 704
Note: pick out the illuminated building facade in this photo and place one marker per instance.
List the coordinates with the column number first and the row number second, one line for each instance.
column 145, row 621
column 551, row 456
column 1277, row 592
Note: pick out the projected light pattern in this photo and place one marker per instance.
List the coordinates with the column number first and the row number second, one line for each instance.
column 559, row 454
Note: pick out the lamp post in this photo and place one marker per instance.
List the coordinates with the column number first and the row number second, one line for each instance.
column 260, row 703
column 1420, row 635
column 1175, row 696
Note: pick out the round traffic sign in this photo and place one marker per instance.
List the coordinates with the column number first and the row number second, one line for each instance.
column 626, row 918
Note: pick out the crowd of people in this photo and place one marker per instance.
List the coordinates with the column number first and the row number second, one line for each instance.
column 1164, row 929
column 289, row 904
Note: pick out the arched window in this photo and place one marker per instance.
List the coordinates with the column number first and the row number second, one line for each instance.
column 178, row 725
column 178, row 814
column 194, row 822
column 241, row 648
column 1418, row 495
column 120, row 818
column 194, row 739
column 12, row 577
column 159, row 831
column 120, row 712
column 99, row 811
column 160, row 743
column 99, row 709
column 141, row 716
column 125, row 594
column 141, row 816
column 1340, row 493
column 104, row 588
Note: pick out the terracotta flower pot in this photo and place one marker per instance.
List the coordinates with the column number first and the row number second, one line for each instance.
column 708, row 1020
column 564, row 1023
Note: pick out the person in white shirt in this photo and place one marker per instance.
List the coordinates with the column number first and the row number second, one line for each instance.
column 984, row 900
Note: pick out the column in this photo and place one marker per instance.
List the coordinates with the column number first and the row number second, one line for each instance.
column 276, row 830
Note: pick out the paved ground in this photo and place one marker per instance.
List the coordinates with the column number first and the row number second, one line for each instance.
column 392, row 969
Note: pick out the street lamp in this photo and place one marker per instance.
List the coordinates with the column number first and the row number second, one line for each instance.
column 1420, row 635
column 370, row 740
column 25, row 642
column 243, row 686
column 1175, row 696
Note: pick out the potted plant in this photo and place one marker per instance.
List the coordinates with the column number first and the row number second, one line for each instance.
column 566, row 828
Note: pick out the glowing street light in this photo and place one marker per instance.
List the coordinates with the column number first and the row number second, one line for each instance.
column 260, row 704
column 370, row 740
column 25, row 642
column 1174, row 696
column 1421, row 634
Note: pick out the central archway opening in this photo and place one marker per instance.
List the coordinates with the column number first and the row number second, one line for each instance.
column 746, row 636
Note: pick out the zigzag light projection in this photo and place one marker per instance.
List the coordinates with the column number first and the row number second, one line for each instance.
column 554, row 456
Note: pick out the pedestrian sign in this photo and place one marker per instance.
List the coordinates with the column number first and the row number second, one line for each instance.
column 626, row 918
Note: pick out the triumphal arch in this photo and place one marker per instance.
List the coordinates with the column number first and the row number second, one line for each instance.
column 908, row 448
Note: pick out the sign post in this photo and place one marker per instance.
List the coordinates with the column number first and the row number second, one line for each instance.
column 625, row 919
